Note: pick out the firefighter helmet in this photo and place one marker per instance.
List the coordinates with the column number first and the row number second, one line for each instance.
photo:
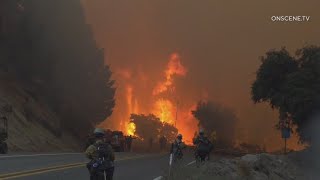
column 201, row 131
column 98, row 132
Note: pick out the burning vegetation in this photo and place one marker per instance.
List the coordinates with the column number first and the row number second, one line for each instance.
column 160, row 102
column 150, row 126
column 159, row 112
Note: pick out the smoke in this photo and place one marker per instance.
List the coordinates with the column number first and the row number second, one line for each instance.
column 312, row 131
column 218, row 41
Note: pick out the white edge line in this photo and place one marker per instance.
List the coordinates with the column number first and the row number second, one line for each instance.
column 158, row 178
column 191, row 163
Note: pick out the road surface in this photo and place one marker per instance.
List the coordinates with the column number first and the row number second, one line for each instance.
column 71, row 166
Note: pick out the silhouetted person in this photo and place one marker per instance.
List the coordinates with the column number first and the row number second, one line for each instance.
column 176, row 148
column 129, row 142
column 203, row 146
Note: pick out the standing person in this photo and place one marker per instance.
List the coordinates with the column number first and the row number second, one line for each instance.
column 203, row 146
column 176, row 148
column 129, row 142
column 101, row 165
column 90, row 139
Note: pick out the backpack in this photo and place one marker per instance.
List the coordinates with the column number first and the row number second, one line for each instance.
column 103, row 161
column 102, row 150
column 204, row 145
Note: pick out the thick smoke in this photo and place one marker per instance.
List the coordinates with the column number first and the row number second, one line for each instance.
column 219, row 42
column 50, row 49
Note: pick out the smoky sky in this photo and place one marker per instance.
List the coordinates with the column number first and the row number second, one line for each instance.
column 220, row 43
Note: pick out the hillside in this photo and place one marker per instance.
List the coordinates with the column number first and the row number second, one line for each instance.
column 52, row 74
column 33, row 127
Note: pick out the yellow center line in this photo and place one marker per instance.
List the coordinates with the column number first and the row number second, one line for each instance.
column 53, row 168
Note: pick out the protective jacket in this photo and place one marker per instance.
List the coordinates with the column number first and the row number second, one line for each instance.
column 101, row 160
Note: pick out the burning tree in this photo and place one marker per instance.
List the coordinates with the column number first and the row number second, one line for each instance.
column 169, row 131
column 150, row 126
column 213, row 117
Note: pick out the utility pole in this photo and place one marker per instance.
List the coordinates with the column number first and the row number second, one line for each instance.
column 285, row 145
column 286, row 132
column 175, row 123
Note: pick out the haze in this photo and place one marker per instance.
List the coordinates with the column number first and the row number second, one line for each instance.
column 219, row 43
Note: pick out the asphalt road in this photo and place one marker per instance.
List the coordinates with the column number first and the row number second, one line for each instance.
column 70, row 166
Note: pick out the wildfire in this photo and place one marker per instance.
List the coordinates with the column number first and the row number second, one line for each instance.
column 174, row 67
column 164, row 110
column 131, row 128
column 134, row 97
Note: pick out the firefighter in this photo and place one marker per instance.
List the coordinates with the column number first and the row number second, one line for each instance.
column 90, row 140
column 129, row 142
column 176, row 148
column 203, row 146
column 101, row 165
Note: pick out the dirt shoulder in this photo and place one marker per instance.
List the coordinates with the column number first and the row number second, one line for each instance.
column 249, row 167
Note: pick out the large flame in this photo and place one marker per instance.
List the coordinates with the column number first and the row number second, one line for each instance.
column 164, row 109
column 174, row 67
column 134, row 97
column 132, row 108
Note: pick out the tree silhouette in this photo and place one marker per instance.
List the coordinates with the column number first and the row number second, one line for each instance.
column 150, row 126
column 290, row 84
column 213, row 117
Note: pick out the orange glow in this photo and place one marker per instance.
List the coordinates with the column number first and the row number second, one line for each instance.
column 135, row 96
column 131, row 128
column 132, row 106
column 129, row 99
column 174, row 67
column 165, row 110
column 187, row 125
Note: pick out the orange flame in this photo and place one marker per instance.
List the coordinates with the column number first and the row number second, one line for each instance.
column 129, row 98
column 132, row 108
column 130, row 85
column 174, row 67
column 131, row 129
column 164, row 109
